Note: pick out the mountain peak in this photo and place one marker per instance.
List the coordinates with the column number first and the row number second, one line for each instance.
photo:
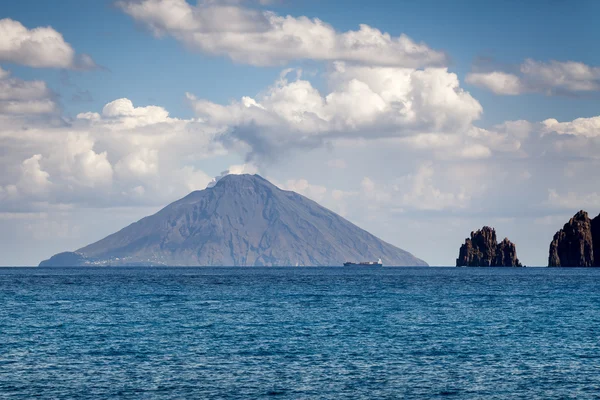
column 238, row 179
column 241, row 220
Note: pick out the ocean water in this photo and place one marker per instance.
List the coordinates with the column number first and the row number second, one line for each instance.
column 295, row 333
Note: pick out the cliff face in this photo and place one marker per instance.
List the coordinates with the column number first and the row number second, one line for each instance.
column 577, row 244
column 506, row 254
column 243, row 220
column 596, row 240
column 483, row 250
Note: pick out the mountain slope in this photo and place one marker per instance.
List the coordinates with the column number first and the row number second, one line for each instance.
column 243, row 220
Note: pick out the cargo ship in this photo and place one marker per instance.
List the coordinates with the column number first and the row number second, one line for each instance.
column 377, row 263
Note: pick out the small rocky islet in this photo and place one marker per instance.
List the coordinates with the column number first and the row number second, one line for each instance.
column 577, row 244
column 483, row 250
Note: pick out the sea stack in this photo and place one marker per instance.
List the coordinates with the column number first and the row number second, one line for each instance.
column 483, row 250
column 577, row 244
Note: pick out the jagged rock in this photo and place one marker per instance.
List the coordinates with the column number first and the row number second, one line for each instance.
column 596, row 240
column 506, row 254
column 480, row 249
column 243, row 220
column 577, row 243
column 483, row 250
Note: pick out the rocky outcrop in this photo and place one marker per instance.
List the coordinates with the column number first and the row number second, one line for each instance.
column 483, row 250
column 596, row 240
column 506, row 254
column 577, row 244
column 243, row 220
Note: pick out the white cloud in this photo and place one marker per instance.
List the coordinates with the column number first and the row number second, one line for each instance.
column 569, row 76
column 237, row 169
column 475, row 151
column 363, row 102
column 123, row 108
column 194, row 179
column 554, row 77
column 45, row 106
column 124, row 155
column 33, row 179
column 41, row 47
column 585, row 127
column 497, row 82
column 19, row 97
column 81, row 164
column 265, row 38
column 469, row 143
column 123, row 115
column 138, row 164
column 131, row 154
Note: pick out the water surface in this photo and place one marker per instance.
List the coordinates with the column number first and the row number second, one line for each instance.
column 295, row 333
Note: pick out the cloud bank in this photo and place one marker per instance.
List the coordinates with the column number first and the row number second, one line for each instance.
column 363, row 102
column 41, row 47
column 551, row 78
column 263, row 38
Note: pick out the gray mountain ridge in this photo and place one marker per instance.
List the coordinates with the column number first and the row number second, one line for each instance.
column 243, row 220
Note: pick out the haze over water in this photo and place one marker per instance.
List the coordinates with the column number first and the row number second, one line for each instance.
column 299, row 333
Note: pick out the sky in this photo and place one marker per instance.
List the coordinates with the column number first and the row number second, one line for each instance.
column 419, row 121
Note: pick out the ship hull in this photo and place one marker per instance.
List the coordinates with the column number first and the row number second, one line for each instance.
column 365, row 264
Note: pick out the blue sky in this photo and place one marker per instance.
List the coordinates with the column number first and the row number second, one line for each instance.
column 161, row 71
column 397, row 147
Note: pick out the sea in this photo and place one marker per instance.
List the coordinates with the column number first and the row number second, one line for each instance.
column 299, row 333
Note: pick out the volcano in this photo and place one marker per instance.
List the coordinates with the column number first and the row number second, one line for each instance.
column 243, row 220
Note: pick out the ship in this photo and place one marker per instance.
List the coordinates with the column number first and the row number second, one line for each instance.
column 377, row 263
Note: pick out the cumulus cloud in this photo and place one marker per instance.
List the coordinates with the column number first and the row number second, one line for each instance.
column 497, row 82
column 20, row 97
column 569, row 76
column 264, row 38
column 41, row 47
column 121, row 114
column 554, row 77
column 33, row 179
column 81, row 162
column 363, row 102
column 473, row 143
column 122, row 156
column 139, row 154
column 586, row 127
column 193, row 179
column 139, row 164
